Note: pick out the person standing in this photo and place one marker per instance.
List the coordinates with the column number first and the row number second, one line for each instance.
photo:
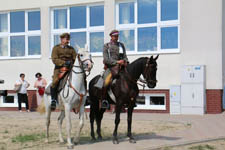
column 40, row 85
column 63, row 55
column 22, row 93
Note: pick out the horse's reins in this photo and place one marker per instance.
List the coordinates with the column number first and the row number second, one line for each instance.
column 71, row 86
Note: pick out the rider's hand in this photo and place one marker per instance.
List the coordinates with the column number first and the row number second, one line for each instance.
column 120, row 62
column 67, row 63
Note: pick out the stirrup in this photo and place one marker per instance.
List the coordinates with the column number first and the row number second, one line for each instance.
column 53, row 105
column 105, row 104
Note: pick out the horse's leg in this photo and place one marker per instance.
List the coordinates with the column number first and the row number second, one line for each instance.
column 99, row 121
column 117, row 121
column 81, row 125
column 68, row 125
column 92, row 119
column 48, row 115
column 129, row 122
column 60, row 121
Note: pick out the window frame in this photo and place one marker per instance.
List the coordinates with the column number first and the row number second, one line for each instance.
column 15, row 104
column 159, row 24
column 26, row 34
column 147, row 104
column 88, row 29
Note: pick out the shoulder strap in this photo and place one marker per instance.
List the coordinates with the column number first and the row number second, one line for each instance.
column 109, row 46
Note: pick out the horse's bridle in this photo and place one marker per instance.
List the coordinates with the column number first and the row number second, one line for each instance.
column 81, row 62
column 146, row 80
column 85, row 76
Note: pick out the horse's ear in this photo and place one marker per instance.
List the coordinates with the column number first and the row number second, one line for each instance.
column 156, row 57
column 151, row 58
column 77, row 47
column 86, row 47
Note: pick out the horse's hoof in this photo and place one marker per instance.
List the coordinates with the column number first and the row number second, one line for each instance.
column 46, row 141
column 76, row 142
column 115, row 141
column 100, row 138
column 132, row 141
column 70, row 147
column 93, row 139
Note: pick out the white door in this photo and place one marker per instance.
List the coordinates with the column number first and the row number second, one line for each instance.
column 192, row 95
column 198, row 74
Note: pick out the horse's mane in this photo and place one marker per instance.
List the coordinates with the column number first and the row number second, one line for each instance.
column 136, row 67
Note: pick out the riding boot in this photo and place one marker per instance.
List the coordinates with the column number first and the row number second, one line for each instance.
column 54, row 98
column 104, row 103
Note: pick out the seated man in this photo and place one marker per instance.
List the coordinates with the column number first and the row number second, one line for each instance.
column 63, row 55
column 114, row 53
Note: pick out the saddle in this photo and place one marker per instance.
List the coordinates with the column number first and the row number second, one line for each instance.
column 62, row 72
column 63, row 77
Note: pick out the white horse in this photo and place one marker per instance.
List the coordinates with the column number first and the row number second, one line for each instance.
column 72, row 96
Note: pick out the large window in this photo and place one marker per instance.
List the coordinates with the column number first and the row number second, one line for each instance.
column 84, row 23
column 20, row 34
column 149, row 26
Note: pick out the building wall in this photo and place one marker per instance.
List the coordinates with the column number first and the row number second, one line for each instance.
column 223, row 41
column 200, row 42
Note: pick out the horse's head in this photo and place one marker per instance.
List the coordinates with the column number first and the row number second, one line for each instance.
column 150, row 71
column 84, row 57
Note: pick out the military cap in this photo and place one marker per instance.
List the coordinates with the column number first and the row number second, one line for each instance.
column 65, row 35
column 114, row 32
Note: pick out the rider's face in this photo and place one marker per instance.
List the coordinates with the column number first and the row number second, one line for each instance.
column 115, row 38
column 65, row 41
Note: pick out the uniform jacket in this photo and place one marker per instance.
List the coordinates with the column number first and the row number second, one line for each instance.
column 61, row 55
column 114, row 50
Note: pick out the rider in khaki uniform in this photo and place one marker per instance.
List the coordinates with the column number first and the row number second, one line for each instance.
column 114, row 53
column 63, row 55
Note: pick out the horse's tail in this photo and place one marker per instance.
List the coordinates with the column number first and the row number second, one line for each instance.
column 41, row 107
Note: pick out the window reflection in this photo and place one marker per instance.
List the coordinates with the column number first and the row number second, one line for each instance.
column 147, row 39
column 34, row 45
column 169, row 10
column 3, row 22
column 78, row 17
column 78, row 38
column 169, row 37
column 17, row 44
column 127, row 37
column 60, row 19
column 56, row 39
column 126, row 13
column 34, row 20
column 147, row 11
column 17, row 21
column 4, row 46
column 97, row 16
column 96, row 41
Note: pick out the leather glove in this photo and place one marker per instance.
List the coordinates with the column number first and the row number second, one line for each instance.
column 67, row 63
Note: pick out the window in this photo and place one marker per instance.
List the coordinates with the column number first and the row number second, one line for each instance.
column 151, row 101
column 149, row 26
column 20, row 34
column 10, row 100
column 84, row 23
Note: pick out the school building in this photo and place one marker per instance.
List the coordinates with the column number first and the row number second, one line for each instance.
column 189, row 36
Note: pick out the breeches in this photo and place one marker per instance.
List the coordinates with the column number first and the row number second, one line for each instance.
column 55, row 79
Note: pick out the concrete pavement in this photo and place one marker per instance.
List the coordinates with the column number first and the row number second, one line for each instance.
column 203, row 128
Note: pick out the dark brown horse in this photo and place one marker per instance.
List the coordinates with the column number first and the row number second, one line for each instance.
column 125, row 90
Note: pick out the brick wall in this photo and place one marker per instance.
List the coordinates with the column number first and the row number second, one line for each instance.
column 32, row 101
column 214, row 101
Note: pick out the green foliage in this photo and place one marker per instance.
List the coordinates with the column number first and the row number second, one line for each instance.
column 202, row 147
column 28, row 138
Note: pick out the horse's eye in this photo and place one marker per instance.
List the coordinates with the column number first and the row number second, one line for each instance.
column 81, row 55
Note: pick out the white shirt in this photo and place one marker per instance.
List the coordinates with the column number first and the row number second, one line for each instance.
column 23, row 89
